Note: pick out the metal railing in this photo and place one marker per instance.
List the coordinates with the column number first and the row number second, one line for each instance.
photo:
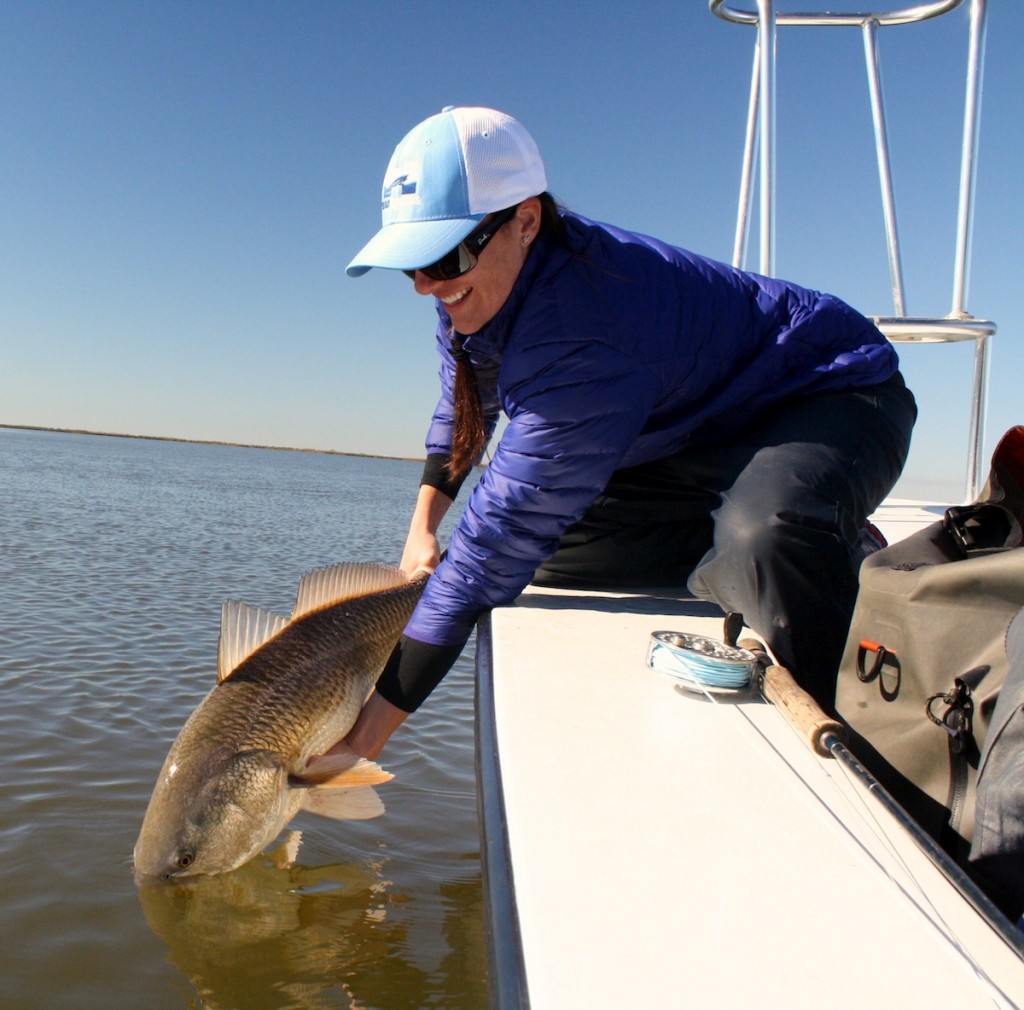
column 760, row 145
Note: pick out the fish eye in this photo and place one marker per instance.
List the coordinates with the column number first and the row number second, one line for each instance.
column 184, row 858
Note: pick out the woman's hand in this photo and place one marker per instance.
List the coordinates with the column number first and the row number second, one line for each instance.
column 421, row 553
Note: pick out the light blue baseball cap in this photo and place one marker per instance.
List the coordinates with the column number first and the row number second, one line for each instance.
column 446, row 176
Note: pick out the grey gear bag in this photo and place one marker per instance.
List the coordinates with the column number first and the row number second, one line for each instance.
column 997, row 849
column 926, row 656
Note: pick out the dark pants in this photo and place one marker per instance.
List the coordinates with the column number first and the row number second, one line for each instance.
column 766, row 525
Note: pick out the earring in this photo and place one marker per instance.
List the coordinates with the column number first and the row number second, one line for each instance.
column 526, row 240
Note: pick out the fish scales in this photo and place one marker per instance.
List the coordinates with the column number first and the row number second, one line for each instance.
column 314, row 673
column 233, row 777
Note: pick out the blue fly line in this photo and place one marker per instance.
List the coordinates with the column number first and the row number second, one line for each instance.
column 701, row 662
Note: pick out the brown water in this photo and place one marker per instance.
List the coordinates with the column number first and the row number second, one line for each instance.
column 115, row 557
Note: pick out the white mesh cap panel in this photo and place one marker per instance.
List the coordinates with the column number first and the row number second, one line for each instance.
column 503, row 164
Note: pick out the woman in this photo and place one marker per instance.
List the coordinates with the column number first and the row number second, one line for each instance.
column 672, row 420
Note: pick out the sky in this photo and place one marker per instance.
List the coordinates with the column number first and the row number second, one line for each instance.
column 182, row 185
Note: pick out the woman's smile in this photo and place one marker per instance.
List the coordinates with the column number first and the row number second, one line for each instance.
column 455, row 298
column 476, row 297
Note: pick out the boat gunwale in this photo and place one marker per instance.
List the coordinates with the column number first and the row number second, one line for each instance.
column 507, row 980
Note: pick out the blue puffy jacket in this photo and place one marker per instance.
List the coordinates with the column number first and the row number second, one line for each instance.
column 622, row 351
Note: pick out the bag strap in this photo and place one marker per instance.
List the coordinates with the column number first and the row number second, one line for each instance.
column 986, row 528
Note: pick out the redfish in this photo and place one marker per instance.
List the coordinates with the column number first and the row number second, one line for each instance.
column 287, row 689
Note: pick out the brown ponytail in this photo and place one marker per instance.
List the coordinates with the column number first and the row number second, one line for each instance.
column 470, row 432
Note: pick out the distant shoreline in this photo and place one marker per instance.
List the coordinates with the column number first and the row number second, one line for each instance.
column 203, row 441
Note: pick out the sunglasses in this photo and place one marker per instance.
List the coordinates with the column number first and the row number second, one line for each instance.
column 464, row 256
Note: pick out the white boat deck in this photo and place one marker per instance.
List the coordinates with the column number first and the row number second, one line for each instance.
column 645, row 846
column 898, row 518
column 672, row 850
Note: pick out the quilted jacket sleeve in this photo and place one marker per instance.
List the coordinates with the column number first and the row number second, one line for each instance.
column 574, row 409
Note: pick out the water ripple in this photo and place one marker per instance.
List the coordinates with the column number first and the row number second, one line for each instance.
column 115, row 557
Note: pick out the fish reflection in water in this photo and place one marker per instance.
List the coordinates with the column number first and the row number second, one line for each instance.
column 276, row 934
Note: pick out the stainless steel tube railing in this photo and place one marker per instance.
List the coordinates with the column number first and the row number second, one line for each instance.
column 906, row 15
column 760, row 147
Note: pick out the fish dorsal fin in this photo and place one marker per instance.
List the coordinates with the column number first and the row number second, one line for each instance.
column 243, row 629
column 344, row 582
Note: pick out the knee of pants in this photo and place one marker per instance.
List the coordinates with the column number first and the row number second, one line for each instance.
column 762, row 541
column 742, row 535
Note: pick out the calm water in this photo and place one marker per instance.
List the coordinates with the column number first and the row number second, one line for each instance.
column 115, row 557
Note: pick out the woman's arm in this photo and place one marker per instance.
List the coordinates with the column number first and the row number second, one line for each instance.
column 421, row 548
column 379, row 718
column 413, row 670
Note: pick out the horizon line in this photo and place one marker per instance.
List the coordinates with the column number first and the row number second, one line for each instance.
column 206, row 441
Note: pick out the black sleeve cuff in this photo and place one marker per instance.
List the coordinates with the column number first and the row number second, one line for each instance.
column 435, row 474
column 414, row 670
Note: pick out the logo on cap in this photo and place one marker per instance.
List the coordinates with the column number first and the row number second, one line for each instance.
column 399, row 190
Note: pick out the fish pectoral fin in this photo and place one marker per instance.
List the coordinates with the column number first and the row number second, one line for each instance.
column 342, row 771
column 332, row 585
column 243, row 629
column 360, row 804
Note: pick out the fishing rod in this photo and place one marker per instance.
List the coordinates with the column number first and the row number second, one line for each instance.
column 827, row 737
